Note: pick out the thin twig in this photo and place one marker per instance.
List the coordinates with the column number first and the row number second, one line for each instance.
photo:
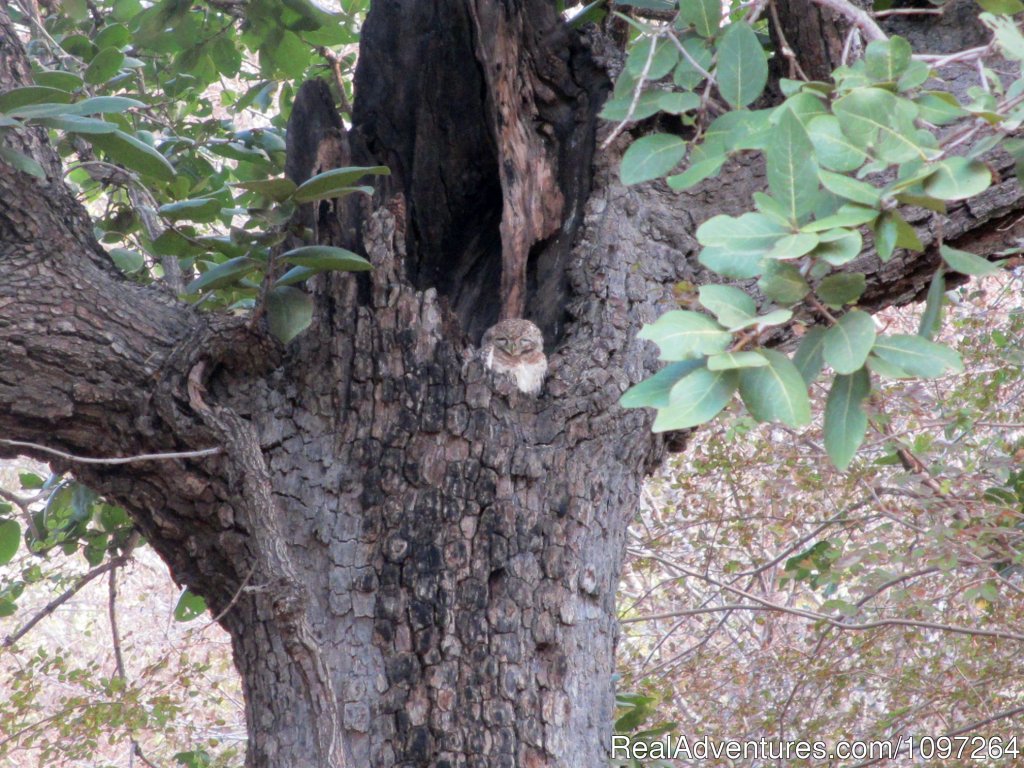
column 637, row 92
column 114, row 459
column 115, row 635
column 908, row 12
column 787, row 50
column 231, row 603
column 856, row 16
column 70, row 592
column 960, row 731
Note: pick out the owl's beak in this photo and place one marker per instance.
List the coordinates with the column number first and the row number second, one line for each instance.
column 515, row 347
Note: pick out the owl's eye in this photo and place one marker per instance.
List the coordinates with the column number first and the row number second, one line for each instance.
column 528, row 346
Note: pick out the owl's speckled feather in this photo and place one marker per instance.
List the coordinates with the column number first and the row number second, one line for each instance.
column 516, row 347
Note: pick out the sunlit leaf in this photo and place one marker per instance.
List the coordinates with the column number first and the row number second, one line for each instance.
column 189, row 606
column 335, row 183
column 654, row 392
column 681, row 333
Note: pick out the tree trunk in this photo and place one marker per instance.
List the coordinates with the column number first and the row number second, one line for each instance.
column 417, row 563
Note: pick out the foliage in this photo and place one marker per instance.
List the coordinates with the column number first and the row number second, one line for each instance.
column 769, row 596
column 163, row 106
column 843, row 159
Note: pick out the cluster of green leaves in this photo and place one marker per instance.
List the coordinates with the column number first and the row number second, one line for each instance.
column 138, row 95
column 92, row 708
column 841, row 158
column 633, row 710
column 766, row 515
column 66, row 517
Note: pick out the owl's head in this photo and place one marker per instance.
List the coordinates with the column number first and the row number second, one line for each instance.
column 516, row 338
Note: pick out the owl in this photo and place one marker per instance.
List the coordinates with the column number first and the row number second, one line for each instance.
column 516, row 347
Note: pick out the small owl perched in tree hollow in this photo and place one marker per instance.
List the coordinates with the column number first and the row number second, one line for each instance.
column 516, row 347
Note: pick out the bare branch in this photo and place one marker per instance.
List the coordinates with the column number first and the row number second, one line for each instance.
column 859, row 18
column 114, row 459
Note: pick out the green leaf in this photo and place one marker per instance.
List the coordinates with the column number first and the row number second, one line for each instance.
column 696, row 173
column 832, row 147
column 918, row 356
column 134, row 154
column 681, row 333
column 325, row 257
column 696, row 399
column 1002, row 7
column 782, row 283
column 793, row 246
column 776, row 392
column 676, row 103
column 931, row 318
column 730, row 305
column 848, row 342
column 222, row 275
column 886, row 60
column 30, row 481
column 733, row 247
column 848, row 215
column 289, row 312
column 728, row 361
column 104, row 65
column 844, row 288
column 10, row 540
column 686, row 75
column 201, row 209
column 650, row 157
column 742, row 70
column 845, row 420
column 854, row 190
column 810, row 358
column 126, row 260
column 885, row 235
column 916, row 74
column 32, row 94
column 335, row 183
column 958, row 178
column 654, row 392
column 21, row 162
column 62, row 81
column 792, row 171
column 886, row 369
column 839, row 246
column 1007, row 34
column 704, row 15
column 649, row 103
column 277, row 190
column 939, row 107
column 189, row 607
column 95, row 105
column 663, row 61
column 296, row 275
column 80, row 125
column 873, row 117
column 113, row 36
column 967, row 263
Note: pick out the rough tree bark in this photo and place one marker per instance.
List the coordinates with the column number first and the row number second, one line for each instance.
column 424, row 560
